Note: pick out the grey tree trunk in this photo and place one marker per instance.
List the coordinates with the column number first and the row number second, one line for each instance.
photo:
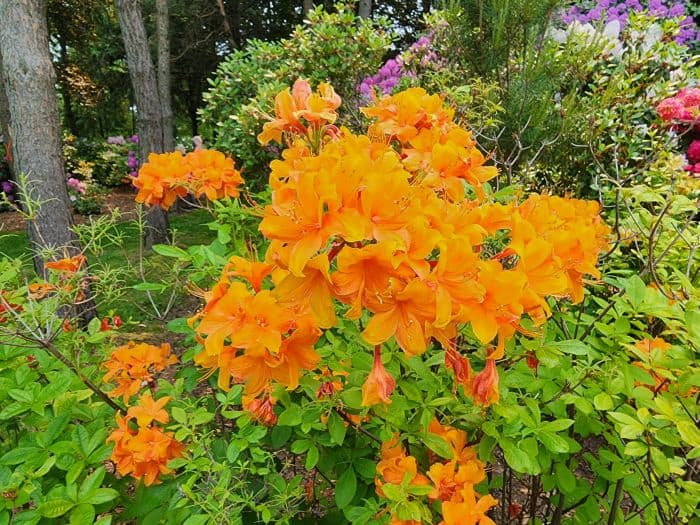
column 364, row 9
column 227, row 26
column 307, row 6
column 149, row 114
column 5, row 119
column 164, row 92
column 35, row 130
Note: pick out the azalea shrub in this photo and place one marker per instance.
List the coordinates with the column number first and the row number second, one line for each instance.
column 383, row 336
column 336, row 47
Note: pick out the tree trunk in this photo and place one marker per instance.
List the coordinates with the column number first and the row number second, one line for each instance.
column 227, row 27
column 364, row 9
column 35, row 130
column 162, row 30
column 6, row 150
column 149, row 114
column 306, row 6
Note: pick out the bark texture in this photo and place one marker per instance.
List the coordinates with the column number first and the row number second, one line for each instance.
column 364, row 9
column 307, row 6
column 5, row 119
column 35, row 133
column 164, row 92
column 227, row 26
column 148, row 105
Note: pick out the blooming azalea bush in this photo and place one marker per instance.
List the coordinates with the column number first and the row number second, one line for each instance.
column 400, row 344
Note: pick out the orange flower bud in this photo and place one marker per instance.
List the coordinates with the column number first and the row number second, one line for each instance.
column 379, row 384
column 485, row 386
column 262, row 410
column 461, row 366
column 104, row 325
column 532, row 360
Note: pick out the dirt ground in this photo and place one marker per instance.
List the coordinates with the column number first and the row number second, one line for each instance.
column 121, row 197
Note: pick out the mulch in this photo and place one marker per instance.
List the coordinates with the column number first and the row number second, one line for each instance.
column 121, row 198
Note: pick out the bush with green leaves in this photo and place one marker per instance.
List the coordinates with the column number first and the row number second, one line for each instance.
column 335, row 47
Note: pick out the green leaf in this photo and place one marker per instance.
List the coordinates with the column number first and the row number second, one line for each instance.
column 635, row 290
column 90, row 484
column 603, row 401
column 300, row 446
column 517, row 459
column 689, row 432
column 572, row 346
column 565, row 478
column 291, row 416
column 345, row 488
column 557, row 426
column 54, row 508
column 636, row 448
column 438, row 445
column 168, row 250
column 312, row 456
column 336, row 428
column 83, row 514
column 102, row 495
column 149, row 287
column 178, row 414
column 553, row 442
column 18, row 455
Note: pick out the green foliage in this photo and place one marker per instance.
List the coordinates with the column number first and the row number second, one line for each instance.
column 330, row 47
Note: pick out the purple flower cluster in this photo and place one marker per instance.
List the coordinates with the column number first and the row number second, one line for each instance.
column 419, row 55
column 132, row 162
column 608, row 10
column 8, row 189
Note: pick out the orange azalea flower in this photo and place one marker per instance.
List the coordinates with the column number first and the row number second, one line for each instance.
column 134, row 365
column 143, row 453
column 404, row 114
column 252, row 271
column 395, row 465
column 261, row 409
column 38, row 291
column 403, row 314
column 68, row 266
column 468, row 511
column 161, row 179
column 379, row 384
column 485, row 386
column 300, row 103
column 212, row 174
column 148, row 410
column 311, row 293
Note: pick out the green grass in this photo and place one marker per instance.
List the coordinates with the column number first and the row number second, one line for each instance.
column 189, row 228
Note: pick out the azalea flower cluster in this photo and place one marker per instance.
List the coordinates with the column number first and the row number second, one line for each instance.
column 450, row 482
column 204, row 172
column 683, row 111
column 394, row 224
column 134, row 365
column 301, row 112
column 145, row 451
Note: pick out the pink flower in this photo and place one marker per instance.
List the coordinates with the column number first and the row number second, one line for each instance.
column 689, row 96
column 77, row 185
column 693, row 153
column 670, row 109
